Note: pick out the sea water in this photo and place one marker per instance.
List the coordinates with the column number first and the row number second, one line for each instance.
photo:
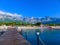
column 47, row 37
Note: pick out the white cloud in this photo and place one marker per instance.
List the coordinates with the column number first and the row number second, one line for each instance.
column 15, row 14
column 1, row 12
column 32, row 17
column 10, row 14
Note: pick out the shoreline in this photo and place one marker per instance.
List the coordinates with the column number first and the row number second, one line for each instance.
column 30, row 27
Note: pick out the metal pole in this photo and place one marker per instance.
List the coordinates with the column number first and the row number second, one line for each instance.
column 37, row 38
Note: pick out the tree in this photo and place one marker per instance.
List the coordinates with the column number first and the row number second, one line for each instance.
column 38, row 24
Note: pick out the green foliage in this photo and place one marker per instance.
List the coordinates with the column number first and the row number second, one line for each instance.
column 26, row 24
column 14, row 23
column 58, row 24
column 51, row 24
column 38, row 24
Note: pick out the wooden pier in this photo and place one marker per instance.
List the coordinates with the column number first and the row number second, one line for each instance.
column 12, row 37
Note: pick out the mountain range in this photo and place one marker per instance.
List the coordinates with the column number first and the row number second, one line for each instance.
column 16, row 18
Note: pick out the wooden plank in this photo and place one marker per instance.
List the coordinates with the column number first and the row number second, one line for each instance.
column 12, row 37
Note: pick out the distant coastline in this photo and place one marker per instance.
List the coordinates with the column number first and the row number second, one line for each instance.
column 29, row 27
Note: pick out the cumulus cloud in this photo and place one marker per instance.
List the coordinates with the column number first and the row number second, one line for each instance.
column 10, row 14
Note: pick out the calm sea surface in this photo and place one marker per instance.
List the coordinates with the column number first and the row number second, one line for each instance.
column 36, row 37
column 47, row 37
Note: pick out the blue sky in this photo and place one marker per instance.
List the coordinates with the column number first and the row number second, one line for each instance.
column 32, row 8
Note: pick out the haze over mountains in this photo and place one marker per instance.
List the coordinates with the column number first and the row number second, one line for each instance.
column 4, row 16
column 8, row 17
